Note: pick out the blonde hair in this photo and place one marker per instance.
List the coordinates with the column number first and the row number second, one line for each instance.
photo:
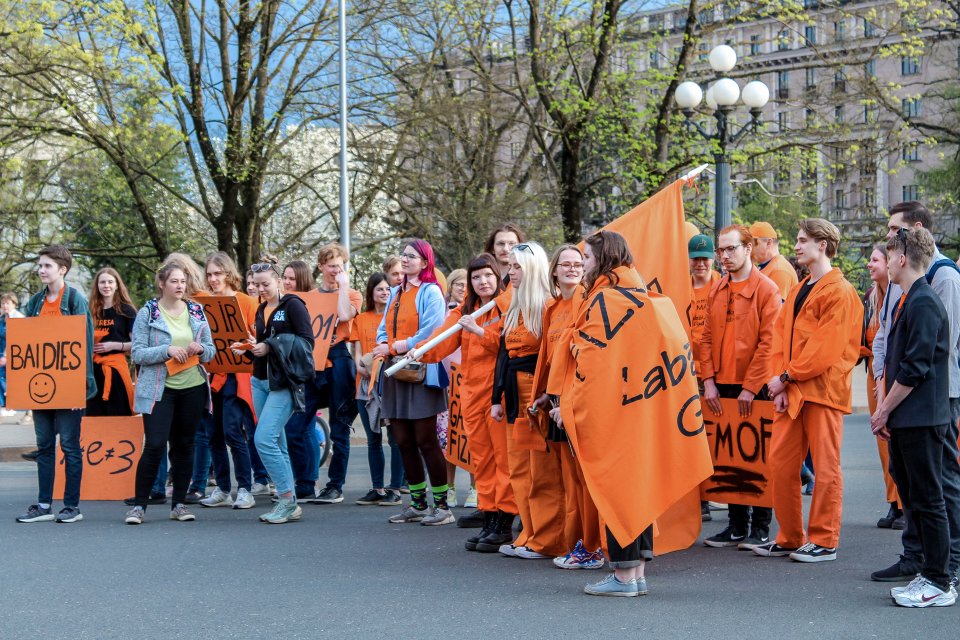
column 330, row 252
column 230, row 273
column 822, row 230
column 530, row 297
column 455, row 276
column 195, row 278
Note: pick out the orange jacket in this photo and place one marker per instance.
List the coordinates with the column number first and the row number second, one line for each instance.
column 821, row 346
column 782, row 273
column 755, row 312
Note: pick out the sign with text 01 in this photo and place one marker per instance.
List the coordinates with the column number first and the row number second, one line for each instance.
column 47, row 362
column 227, row 325
column 740, row 448
column 322, row 308
column 110, row 448
column 458, row 449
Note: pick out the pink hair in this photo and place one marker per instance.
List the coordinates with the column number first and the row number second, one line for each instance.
column 426, row 252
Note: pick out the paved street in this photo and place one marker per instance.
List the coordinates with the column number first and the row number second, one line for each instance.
column 344, row 572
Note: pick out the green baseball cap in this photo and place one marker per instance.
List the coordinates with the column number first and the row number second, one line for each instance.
column 700, row 246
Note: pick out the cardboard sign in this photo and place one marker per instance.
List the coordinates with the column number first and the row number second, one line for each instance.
column 227, row 325
column 47, row 362
column 740, row 448
column 111, row 449
column 458, row 450
column 322, row 308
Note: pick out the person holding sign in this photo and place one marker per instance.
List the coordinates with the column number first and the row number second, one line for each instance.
column 171, row 341
column 58, row 299
column 364, row 337
column 816, row 345
column 113, row 315
column 734, row 359
column 232, row 399
column 415, row 309
column 535, row 466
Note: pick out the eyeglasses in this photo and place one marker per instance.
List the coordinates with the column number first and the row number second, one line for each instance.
column 410, row 256
column 728, row 251
column 263, row 267
column 568, row 266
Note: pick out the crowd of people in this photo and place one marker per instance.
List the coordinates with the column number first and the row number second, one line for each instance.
column 517, row 325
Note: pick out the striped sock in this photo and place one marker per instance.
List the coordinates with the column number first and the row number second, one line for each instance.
column 440, row 496
column 418, row 496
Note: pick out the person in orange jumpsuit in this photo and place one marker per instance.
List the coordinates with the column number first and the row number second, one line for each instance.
column 872, row 306
column 766, row 255
column 582, row 534
column 479, row 342
column 816, row 346
column 734, row 359
column 535, row 466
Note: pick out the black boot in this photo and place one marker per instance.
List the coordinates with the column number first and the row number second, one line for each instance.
column 489, row 524
column 501, row 534
column 887, row 521
column 474, row 520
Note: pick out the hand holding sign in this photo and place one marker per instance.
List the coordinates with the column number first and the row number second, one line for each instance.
column 228, row 327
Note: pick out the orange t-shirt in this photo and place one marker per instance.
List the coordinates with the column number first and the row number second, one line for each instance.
column 698, row 312
column 364, row 330
column 727, row 373
column 345, row 329
column 53, row 308
column 248, row 307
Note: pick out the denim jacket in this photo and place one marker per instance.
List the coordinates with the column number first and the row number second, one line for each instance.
column 151, row 341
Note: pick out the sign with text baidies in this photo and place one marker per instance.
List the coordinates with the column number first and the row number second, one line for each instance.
column 47, row 362
column 740, row 448
column 226, row 327
column 111, row 448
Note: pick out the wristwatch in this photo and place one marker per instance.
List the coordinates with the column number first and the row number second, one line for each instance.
column 784, row 377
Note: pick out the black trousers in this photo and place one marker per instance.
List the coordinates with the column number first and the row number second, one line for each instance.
column 174, row 419
column 916, row 456
column 640, row 550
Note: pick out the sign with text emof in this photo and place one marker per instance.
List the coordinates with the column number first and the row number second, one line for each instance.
column 740, row 448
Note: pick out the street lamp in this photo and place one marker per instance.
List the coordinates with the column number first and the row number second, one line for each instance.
column 721, row 98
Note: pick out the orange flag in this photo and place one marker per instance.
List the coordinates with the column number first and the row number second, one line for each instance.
column 631, row 407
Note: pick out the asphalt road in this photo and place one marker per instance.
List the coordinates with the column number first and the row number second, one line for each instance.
column 344, row 572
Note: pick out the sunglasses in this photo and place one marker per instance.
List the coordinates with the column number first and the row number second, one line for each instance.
column 523, row 246
column 263, row 267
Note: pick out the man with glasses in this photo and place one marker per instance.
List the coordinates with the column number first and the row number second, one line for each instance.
column 734, row 360
column 766, row 255
column 500, row 243
column 944, row 278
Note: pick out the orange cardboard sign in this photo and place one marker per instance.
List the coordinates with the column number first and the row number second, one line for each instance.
column 458, row 446
column 111, row 449
column 174, row 367
column 227, row 325
column 47, row 362
column 740, row 448
column 322, row 308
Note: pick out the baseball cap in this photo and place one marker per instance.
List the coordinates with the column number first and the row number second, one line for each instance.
column 700, row 246
column 690, row 230
column 763, row 230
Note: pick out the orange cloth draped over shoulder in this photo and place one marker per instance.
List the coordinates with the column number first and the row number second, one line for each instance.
column 364, row 331
column 631, row 408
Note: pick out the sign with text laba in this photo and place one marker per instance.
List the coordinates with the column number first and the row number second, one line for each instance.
column 227, row 325
column 47, row 362
column 458, row 449
column 110, row 448
column 322, row 308
column 740, row 448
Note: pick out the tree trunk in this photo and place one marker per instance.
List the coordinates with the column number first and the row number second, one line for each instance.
column 570, row 194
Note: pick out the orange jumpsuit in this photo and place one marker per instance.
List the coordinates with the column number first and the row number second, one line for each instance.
column 818, row 349
column 882, row 448
column 535, row 465
column 487, row 438
column 581, row 520
column 782, row 273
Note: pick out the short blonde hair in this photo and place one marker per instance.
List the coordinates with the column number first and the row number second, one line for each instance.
column 822, row 230
column 330, row 252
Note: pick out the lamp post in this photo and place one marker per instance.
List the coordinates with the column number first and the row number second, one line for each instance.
column 721, row 98
column 344, row 186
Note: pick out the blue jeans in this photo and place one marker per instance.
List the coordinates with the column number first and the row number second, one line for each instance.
column 304, row 450
column 375, row 452
column 201, row 455
column 334, row 387
column 273, row 410
column 3, row 386
column 256, row 464
column 231, row 416
column 47, row 423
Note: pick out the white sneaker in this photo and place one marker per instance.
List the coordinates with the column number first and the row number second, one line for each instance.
column 244, row 500
column 527, row 553
column 218, row 498
column 508, row 550
column 924, row 593
column 451, row 497
column 259, row 489
column 894, row 592
column 471, row 501
column 7, row 413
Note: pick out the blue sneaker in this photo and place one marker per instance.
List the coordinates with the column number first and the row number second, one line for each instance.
column 284, row 511
column 580, row 558
column 610, row 586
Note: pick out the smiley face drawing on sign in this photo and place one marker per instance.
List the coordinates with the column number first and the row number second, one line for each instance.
column 42, row 388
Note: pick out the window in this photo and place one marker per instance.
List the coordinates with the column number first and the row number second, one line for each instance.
column 911, row 107
column 810, row 77
column 909, row 65
column 840, row 30
column 515, row 149
column 871, row 69
column 781, row 180
column 783, row 120
column 810, row 34
column 871, row 113
column 838, row 114
column 840, row 80
column 783, row 85
column 910, row 192
column 869, row 198
column 911, row 152
column 783, row 40
column 810, row 116
column 702, row 52
column 869, row 29
column 840, row 199
column 754, row 45
column 654, row 59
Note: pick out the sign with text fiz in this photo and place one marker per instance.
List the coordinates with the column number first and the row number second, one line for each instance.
column 47, row 362
column 322, row 307
column 110, row 448
column 227, row 325
column 740, row 448
column 458, row 449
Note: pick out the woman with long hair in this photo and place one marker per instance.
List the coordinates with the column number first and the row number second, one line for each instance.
column 415, row 309
column 297, row 277
column 279, row 314
column 171, row 341
column 364, row 337
column 113, row 315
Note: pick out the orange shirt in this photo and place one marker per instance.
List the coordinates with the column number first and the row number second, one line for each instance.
column 782, row 273
column 520, row 342
column 248, row 307
column 698, row 311
column 728, row 357
column 402, row 317
column 364, row 330
column 53, row 308
column 345, row 329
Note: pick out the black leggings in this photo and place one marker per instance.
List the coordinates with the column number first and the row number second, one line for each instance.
column 174, row 419
column 418, row 438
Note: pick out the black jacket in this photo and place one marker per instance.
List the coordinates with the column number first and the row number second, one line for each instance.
column 290, row 366
column 918, row 348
